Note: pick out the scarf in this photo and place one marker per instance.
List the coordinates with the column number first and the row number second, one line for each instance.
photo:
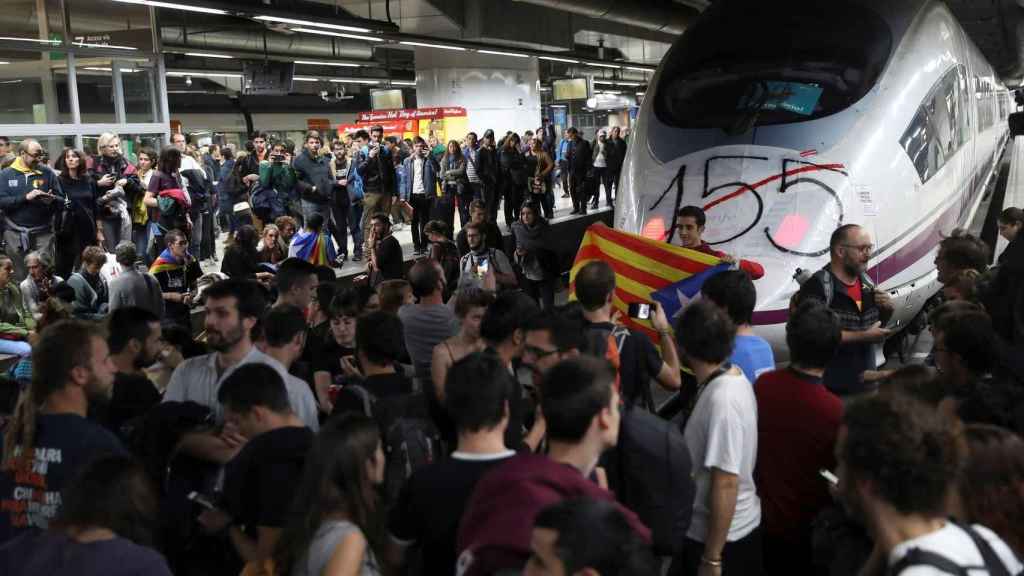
column 313, row 247
column 20, row 166
column 166, row 262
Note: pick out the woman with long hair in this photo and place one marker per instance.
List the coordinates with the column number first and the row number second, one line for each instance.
column 513, row 177
column 534, row 256
column 146, row 166
column 470, row 305
column 334, row 526
column 272, row 248
column 168, row 195
column 119, row 186
column 106, row 527
column 539, row 166
column 80, row 187
column 241, row 259
column 456, row 181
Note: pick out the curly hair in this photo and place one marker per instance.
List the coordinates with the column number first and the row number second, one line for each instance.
column 992, row 484
column 908, row 450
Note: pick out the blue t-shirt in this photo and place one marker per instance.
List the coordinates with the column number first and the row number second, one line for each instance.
column 30, row 496
column 55, row 554
column 753, row 355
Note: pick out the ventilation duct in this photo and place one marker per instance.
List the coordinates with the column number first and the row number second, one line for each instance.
column 661, row 16
column 296, row 45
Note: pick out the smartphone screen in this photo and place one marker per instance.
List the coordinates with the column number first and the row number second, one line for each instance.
column 639, row 310
column 482, row 266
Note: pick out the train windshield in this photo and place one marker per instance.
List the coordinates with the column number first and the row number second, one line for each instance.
column 746, row 64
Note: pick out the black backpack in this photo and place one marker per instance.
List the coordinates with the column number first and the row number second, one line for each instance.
column 650, row 471
column 598, row 339
column 410, row 444
column 992, row 564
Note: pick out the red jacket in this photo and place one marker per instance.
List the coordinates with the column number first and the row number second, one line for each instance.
column 749, row 266
column 495, row 531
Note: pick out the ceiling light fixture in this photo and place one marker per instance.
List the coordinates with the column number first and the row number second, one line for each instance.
column 305, row 79
column 618, row 83
column 113, row 46
column 103, row 69
column 205, row 74
column 353, row 81
column 209, row 55
column 554, row 59
column 403, row 83
column 638, row 68
column 500, row 53
column 599, row 65
column 36, row 40
column 2, row 63
column 173, row 6
column 337, row 64
column 311, row 23
column 338, row 34
column 429, row 45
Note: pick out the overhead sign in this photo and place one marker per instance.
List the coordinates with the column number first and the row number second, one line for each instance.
column 410, row 114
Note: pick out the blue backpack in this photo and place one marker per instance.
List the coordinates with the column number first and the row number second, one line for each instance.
column 265, row 200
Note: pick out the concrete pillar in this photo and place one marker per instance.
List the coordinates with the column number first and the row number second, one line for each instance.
column 498, row 92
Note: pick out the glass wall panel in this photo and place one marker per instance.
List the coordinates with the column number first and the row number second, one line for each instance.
column 34, row 87
column 104, row 23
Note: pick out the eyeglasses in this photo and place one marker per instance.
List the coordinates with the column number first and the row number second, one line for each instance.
column 35, row 154
column 860, row 248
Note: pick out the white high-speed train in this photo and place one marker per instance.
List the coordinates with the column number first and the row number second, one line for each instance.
column 785, row 119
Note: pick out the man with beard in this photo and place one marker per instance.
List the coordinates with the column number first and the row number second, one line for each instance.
column 135, row 341
column 233, row 308
column 28, row 190
column 861, row 308
column 49, row 438
column 481, row 261
column 898, row 461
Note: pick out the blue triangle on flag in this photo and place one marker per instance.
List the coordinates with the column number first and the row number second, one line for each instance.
column 675, row 297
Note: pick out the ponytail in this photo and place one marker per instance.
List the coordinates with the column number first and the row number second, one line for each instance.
column 62, row 346
column 21, row 432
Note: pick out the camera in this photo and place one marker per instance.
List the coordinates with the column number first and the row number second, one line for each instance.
column 278, row 158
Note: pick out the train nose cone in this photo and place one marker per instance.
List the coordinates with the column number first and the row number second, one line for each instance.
column 775, row 206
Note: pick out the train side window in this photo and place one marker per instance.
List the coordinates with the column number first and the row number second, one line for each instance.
column 939, row 128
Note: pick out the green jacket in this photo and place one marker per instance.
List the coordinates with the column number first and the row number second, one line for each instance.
column 280, row 177
column 15, row 320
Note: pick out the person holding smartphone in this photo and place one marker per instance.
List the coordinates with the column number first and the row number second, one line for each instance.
column 28, row 189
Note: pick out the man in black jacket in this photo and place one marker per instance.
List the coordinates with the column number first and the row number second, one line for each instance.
column 489, row 174
column 315, row 180
column 617, row 155
column 30, row 194
column 377, row 171
column 579, row 162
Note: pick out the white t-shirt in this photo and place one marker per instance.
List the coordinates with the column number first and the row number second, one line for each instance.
column 417, row 176
column 956, row 545
column 722, row 433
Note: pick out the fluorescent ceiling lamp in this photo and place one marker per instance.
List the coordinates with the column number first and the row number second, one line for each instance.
column 114, row 46
column 11, row 81
column 311, row 23
column 638, row 68
column 338, row 64
column 603, row 65
column 554, row 59
column 428, row 45
column 618, row 82
column 205, row 74
column 2, row 63
column 353, row 81
column 613, row 92
column 305, row 79
column 338, row 34
column 102, row 69
column 500, row 53
column 36, row 40
column 545, row 89
column 174, row 6
column 403, row 83
column 641, row 94
column 209, row 55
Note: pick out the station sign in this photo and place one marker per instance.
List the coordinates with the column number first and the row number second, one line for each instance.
column 411, row 114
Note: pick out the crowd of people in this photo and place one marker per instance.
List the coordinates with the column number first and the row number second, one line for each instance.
column 274, row 202
column 456, row 417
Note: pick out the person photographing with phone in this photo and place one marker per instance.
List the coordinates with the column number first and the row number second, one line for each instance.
column 28, row 190
column 482, row 262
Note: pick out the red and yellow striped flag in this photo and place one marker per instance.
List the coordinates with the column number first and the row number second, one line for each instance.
column 641, row 265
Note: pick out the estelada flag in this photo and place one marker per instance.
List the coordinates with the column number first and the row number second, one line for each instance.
column 646, row 270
